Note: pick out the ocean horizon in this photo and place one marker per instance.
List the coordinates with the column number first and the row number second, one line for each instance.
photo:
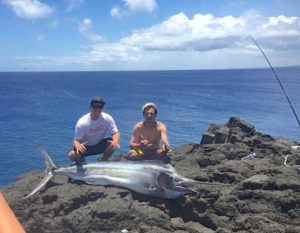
column 40, row 109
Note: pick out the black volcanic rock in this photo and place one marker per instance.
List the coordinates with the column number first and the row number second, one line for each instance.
column 264, row 195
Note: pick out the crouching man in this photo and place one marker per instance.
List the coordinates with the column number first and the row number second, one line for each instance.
column 146, row 138
column 90, row 132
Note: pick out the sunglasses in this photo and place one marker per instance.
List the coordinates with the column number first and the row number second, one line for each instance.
column 97, row 106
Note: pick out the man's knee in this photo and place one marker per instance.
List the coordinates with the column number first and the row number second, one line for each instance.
column 72, row 155
column 75, row 157
column 134, row 155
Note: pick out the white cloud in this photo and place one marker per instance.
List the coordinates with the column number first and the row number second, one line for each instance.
column 203, row 33
column 85, row 29
column 282, row 25
column 40, row 37
column 183, row 42
column 29, row 9
column 72, row 4
column 116, row 12
column 133, row 6
column 141, row 5
column 54, row 24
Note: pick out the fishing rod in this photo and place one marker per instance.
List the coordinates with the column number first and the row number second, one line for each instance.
column 278, row 80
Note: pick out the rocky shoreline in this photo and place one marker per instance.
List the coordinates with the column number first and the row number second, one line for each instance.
column 264, row 195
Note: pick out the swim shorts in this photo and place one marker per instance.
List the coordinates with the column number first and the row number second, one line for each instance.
column 152, row 154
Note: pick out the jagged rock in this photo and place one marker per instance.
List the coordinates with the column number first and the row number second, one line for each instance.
column 207, row 138
column 221, row 135
column 214, row 127
column 263, row 196
column 243, row 125
column 255, row 182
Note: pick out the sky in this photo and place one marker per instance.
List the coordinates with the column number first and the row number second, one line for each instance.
column 96, row 35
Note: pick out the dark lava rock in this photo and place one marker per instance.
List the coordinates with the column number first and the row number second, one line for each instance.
column 263, row 196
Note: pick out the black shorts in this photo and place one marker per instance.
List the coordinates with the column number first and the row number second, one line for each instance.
column 96, row 149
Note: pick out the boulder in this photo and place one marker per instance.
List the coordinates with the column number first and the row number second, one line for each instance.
column 207, row 138
column 243, row 125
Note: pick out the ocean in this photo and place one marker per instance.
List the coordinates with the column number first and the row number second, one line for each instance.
column 40, row 109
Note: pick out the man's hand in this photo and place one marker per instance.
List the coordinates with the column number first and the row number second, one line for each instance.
column 167, row 150
column 113, row 144
column 145, row 143
column 80, row 147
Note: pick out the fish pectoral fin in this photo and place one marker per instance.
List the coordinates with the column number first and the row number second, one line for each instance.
column 177, row 191
column 183, row 189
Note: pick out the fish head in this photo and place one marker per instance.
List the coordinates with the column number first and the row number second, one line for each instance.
column 169, row 180
column 170, row 185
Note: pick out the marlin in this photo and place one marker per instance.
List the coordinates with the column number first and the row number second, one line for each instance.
column 145, row 177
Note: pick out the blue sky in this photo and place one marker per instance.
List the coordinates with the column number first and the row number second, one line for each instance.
column 63, row 35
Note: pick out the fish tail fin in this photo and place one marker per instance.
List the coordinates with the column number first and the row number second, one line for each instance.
column 49, row 163
column 48, row 174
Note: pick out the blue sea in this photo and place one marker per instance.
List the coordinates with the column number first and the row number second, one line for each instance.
column 40, row 109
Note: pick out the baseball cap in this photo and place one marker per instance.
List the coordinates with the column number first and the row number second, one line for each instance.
column 97, row 99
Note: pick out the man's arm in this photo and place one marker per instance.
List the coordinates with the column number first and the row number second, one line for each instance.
column 164, row 137
column 80, row 147
column 134, row 144
column 79, row 142
column 115, row 140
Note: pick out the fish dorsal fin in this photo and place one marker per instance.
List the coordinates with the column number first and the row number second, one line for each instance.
column 164, row 180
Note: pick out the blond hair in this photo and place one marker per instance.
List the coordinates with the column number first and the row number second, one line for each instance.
column 149, row 105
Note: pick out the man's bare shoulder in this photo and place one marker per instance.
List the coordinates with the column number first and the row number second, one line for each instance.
column 160, row 125
column 138, row 125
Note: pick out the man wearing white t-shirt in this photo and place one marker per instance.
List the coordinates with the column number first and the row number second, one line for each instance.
column 90, row 133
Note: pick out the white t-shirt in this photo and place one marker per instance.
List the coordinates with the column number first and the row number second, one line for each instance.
column 94, row 131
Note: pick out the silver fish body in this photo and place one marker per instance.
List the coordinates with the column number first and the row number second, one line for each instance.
column 150, row 178
column 141, row 177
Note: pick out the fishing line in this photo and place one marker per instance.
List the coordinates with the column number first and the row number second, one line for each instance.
column 278, row 80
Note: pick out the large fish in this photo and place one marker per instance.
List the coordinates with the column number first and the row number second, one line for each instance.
column 150, row 178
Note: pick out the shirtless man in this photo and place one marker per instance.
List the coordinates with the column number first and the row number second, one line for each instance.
column 146, row 137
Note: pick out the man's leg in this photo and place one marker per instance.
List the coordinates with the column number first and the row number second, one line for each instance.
column 135, row 155
column 104, row 147
column 76, row 157
column 107, row 153
column 158, row 154
column 91, row 150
